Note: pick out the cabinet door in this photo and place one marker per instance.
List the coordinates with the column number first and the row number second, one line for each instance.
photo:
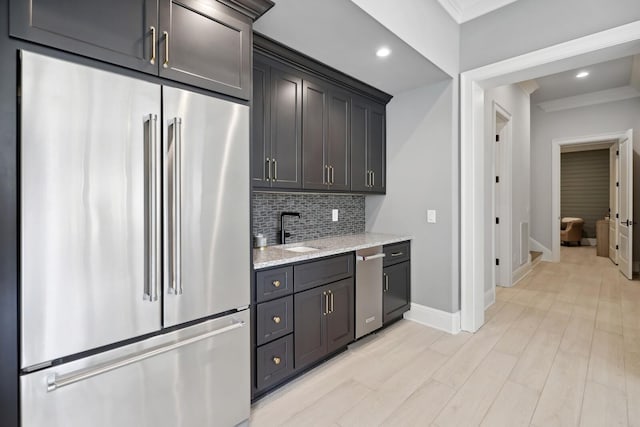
column 396, row 290
column 377, row 148
column 360, row 110
column 338, row 139
column 260, row 144
column 340, row 322
column 116, row 31
column 314, row 136
column 286, row 129
column 206, row 45
column 310, row 326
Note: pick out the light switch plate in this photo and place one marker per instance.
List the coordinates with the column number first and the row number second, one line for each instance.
column 334, row 215
column 431, row 216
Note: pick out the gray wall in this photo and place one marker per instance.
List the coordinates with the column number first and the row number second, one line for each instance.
column 422, row 166
column 584, row 187
column 528, row 25
column 315, row 215
column 595, row 119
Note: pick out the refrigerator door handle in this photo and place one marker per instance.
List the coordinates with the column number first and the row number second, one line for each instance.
column 55, row 382
column 175, row 285
column 153, row 198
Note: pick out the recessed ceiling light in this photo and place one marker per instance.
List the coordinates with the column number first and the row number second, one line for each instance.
column 582, row 74
column 383, row 51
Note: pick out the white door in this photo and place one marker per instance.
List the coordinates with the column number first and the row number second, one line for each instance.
column 613, row 202
column 625, row 228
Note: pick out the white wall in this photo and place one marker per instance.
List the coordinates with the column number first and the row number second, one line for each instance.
column 422, row 24
column 528, row 25
column 422, row 170
column 515, row 101
column 595, row 119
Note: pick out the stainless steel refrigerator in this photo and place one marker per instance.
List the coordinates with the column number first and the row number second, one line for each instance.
column 134, row 251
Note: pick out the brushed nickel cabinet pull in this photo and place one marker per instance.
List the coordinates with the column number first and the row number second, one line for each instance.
column 165, row 64
column 386, row 281
column 275, row 169
column 276, row 360
column 276, row 283
column 276, row 319
column 326, row 304
column 331, row 295
column 153, row 45
column 397, row 253
column 325, row 172
column 267, row 170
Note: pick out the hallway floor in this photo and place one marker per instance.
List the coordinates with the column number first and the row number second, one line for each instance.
column 562, row 347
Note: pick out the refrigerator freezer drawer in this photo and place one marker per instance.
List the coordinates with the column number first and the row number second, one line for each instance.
column 198, row 376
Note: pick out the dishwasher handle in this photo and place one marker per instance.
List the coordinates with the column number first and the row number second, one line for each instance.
column 370, row 257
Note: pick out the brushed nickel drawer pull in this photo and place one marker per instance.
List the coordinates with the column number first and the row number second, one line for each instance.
column 276, row 283
column 276, row 319
column 397, row 253
column 276, row 360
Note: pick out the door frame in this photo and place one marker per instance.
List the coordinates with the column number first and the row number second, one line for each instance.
column 501, row 247
column 556, row 146
column 597, row 47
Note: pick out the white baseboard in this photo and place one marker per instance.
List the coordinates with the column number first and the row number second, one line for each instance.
column 434, row 318
column 489, row 297
column 521, row 272
column 534, row 245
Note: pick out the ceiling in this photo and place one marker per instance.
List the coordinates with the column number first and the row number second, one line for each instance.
column 343, row 36
column 605, row 75
column 466, row 10
column 608, row 81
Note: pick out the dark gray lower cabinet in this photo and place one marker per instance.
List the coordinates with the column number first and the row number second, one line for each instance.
column 274, row 362
column 292, row 332
column 396, row 281
column 323, row 321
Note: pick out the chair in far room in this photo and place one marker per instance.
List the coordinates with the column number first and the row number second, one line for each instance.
column 571, row 230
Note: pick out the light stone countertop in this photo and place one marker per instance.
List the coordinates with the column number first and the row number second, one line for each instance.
column 272, row 256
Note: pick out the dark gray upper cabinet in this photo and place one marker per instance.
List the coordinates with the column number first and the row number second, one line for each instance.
column 117, row 31
column 277, row 126
column 343, row 125
column 325, row 137
column 368, row 146
column 314, row 136
column 205, row 44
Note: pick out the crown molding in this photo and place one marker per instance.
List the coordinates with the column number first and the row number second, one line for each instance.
column 462, row 11
column 453, row 8
column 593, row 98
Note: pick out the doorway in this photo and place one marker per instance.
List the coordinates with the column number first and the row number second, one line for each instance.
column 621, row 213
column 598, row 47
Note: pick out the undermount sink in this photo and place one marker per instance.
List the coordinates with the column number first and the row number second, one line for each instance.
column 301, row 249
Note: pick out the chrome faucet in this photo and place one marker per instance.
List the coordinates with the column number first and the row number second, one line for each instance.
column 283, row 234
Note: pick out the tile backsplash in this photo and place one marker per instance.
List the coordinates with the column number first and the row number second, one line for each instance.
column 315, row 215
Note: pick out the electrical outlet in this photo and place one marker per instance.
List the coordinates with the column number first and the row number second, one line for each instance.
column 334, row 215
column 431, row 216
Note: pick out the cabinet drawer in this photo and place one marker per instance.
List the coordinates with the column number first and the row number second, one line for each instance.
column 274, row 283
column 316, row 273
column 274, row 319
column 397, row 252
column 274, row 362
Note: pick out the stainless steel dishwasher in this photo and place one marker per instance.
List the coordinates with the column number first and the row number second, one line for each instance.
column 368, row 290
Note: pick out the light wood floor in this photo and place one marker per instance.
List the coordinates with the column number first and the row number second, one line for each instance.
column 561, row 348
